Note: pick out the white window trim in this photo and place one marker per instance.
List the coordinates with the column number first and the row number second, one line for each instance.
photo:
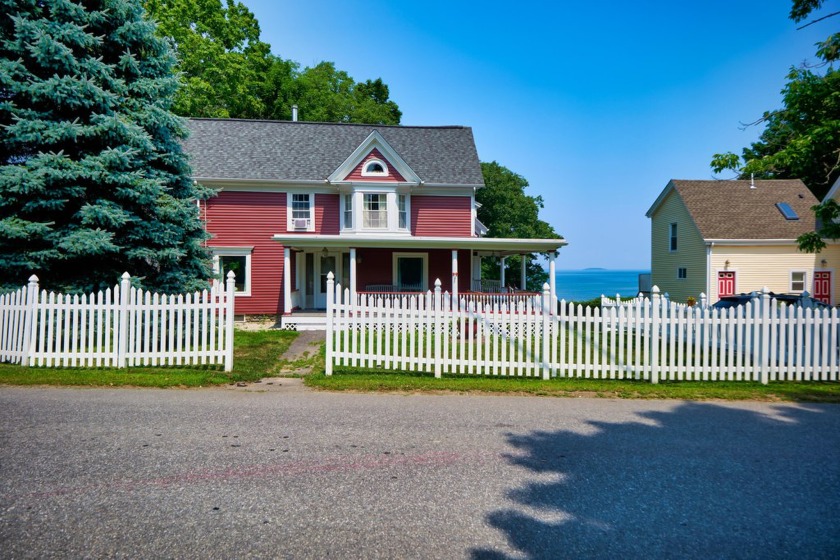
column 673, row 234
column 290, row 225
column 391, row 225
column 804, row 274
column 425, row 273
column 344, row 225
column 407, row 198
column 234, row 252
column 386, row 226
column 366, row 168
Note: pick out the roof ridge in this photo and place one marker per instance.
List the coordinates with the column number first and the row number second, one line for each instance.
column 298, row 123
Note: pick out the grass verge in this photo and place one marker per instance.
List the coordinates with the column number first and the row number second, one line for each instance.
column 256, row 355
column 410, row 382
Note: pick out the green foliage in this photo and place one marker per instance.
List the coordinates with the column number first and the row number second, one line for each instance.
column 828, row 223
column 828, row 50
column 508, row 212
column 800, row 140
column 227, row 71
column 93, row 181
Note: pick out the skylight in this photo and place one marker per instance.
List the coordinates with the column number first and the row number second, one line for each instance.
column 788, row 212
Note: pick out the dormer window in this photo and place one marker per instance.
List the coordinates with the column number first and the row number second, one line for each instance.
column 375, row 168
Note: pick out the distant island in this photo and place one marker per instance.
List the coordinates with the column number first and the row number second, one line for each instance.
column 595, row 268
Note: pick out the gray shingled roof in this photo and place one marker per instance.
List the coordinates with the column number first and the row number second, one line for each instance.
column 305, row 151
column 732, row 210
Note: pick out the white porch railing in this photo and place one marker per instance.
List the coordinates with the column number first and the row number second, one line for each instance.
column 119, row 327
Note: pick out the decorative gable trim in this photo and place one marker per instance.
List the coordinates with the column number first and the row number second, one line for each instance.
column 374, row 142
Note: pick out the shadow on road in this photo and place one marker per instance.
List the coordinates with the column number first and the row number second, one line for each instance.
column 700, row 481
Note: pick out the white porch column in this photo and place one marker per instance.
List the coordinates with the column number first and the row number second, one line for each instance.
column 523, row 278
column 454, row 274
column 502, row 273
column 287, row 281
column 552, row 273
column 352, row 274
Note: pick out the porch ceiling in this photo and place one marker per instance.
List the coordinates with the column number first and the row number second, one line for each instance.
column 483, row 246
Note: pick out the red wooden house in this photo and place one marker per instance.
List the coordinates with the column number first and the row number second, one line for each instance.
column 385, row 208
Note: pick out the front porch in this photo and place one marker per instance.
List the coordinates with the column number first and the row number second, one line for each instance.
column 394, row 267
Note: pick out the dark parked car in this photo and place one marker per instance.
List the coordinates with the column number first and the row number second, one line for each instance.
column 797, row 300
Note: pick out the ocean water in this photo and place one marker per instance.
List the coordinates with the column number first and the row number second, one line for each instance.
column 581, row 285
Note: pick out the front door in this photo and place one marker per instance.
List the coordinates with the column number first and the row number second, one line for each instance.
column 822, row 286
column 326, row 263
column 312, row 277
column 726, row 283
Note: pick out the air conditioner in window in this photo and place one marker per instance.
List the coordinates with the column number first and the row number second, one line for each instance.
column 301, row 223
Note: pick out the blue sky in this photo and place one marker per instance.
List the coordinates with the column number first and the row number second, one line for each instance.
column 597, row 105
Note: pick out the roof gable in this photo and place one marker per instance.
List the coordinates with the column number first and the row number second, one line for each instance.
column 744, row 209
column 374, row 147
column 286, row 151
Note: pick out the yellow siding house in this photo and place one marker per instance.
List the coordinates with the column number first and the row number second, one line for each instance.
column 727, row 237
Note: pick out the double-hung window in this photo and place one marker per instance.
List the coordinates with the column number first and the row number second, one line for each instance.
column 672, row 246
column 348, row 211
column 300, row 212
column 797, row 281
column 402, row 205
column 375, row 214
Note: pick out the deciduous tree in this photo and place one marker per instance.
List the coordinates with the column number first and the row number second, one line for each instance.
column 508, row 211
column 228, row 71
column 801, row 139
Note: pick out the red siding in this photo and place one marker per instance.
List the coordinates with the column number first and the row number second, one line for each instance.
column 326, row 214
column 245, row 219
column 377, row 267
column 441, row 216
column 393, row 174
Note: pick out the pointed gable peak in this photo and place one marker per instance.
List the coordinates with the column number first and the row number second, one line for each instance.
column 374, row 160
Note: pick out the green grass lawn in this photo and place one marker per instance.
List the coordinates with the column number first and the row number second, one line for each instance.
column 256, row 355
column 346, row 379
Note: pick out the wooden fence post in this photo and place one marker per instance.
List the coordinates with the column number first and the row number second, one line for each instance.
column 122, row 335
column 230, row 287
column 331, row 299
column 765, row 334
column 656, row 313
column 439, row 317
column 29, row 323
column 546, row 330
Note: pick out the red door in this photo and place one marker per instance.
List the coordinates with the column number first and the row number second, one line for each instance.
column 726, row 284
column 822, row 286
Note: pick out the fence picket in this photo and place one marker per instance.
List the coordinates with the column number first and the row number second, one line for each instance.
column 120, row 328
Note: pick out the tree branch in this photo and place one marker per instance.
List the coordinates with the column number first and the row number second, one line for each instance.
column 817, row 20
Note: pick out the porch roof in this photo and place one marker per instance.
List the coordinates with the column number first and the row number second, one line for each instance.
column 483, row 246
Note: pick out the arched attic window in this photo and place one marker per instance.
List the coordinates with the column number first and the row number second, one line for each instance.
column 375, row 168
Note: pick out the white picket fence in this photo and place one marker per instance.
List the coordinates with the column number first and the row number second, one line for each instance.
column 120, row 327
column 651, row 339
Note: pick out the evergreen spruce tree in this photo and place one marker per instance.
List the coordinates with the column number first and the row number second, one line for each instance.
column 93, row 180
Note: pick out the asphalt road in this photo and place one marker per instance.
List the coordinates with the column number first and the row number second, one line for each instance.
column 221, row 473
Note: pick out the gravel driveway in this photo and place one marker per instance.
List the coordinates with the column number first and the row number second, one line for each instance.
column 290, row 473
